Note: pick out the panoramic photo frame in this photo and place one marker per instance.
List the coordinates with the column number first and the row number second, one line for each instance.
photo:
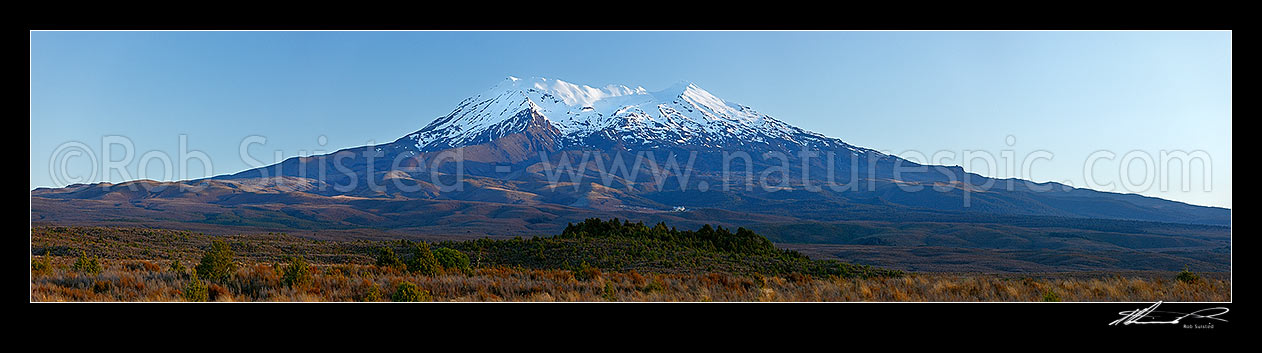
column 880, row 167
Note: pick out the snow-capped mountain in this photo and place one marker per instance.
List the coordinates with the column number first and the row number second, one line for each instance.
column 683, row 115
column 537, row 150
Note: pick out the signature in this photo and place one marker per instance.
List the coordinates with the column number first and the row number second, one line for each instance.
column 1151, row 315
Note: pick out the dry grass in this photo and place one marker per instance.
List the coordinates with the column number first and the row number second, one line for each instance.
column 152, row 280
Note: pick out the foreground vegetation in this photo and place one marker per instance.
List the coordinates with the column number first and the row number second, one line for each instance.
column 591, row 261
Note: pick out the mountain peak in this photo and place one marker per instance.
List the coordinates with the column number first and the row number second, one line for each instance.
column 568, row 93
column 680, row 86
column 690, row 92
column 683, row 114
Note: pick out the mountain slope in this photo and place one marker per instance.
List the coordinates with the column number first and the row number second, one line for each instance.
column 536, row 142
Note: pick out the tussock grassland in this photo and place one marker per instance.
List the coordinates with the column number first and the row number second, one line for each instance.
column 592, row 262
column 141, row 280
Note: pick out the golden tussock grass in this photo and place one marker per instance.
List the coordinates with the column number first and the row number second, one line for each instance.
column 135, row 280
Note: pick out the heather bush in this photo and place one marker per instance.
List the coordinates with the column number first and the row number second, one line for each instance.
column 217, row 292
column 369, row 292
column 653, row 286
column 408, row 292
column 609, row 293
column 1051, row 296
column 102, row 286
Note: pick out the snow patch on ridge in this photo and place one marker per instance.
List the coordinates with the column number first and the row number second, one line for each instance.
column 683, row 114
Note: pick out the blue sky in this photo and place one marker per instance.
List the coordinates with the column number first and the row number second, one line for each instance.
column 1068, row 93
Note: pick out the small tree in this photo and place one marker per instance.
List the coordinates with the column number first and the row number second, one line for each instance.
column 586, row 272
column 610, row 293
column 217, row 263
column 297, row 273
column 179, row 268
column 1187, row 276
column 41, row 264
column 452, row 259
column 423, row 261
column 196, row 290
column 387, row 258
column 408, row 292
column 85, row 264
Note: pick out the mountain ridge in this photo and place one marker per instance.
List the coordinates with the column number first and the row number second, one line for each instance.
column 683, row 115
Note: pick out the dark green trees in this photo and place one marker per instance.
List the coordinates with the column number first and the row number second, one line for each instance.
column 297, row 273
column 217, row 264
column 42, row 264
column 387, row 258
column 86, row 264
column 743, row 241
column 178, row 268
column 1187, row 276
column 423, row 261
column 452, row 259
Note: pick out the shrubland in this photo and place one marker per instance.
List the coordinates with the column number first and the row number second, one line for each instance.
column 595, row 260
